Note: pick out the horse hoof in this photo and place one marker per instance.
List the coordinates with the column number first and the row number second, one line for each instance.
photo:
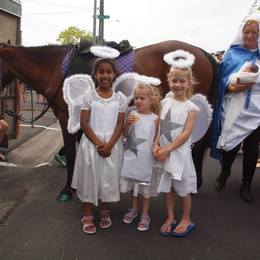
column 64, row 197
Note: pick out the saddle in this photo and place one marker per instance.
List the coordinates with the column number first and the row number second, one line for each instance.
column 83, row 59
column 123, row 47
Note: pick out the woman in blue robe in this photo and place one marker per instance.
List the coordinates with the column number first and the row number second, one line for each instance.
column 245, row 127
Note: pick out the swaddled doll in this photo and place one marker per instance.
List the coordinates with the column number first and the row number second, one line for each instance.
column 248, row 73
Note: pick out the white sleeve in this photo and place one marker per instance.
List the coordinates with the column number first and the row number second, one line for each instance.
column 123, row 104
column 193, row 107
column 86, row 104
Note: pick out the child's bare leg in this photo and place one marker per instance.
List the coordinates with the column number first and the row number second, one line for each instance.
column 134, row 202
column 88, row 209
column 146, row 204
column 185, row 219
column 166, row 227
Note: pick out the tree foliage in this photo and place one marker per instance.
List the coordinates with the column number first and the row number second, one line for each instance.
column 73, row 35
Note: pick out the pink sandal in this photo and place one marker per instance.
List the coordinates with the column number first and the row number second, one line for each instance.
column 88, row 225
column 105, row 219
column 130, row 216
column 144, row 223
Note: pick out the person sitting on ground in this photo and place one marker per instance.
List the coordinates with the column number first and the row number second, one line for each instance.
column 3, row 131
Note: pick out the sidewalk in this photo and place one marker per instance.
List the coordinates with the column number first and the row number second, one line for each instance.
column 27, row 131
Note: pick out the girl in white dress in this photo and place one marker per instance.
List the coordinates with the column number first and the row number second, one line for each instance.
column 99, row 157
column 172, row 145
column 138, row 161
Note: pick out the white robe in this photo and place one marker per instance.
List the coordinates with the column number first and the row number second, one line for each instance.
column 96, row 177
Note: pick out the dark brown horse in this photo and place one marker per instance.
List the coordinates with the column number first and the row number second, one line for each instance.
column 40, row 67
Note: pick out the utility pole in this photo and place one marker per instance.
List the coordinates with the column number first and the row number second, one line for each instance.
column 101, row 23
column 95, row 23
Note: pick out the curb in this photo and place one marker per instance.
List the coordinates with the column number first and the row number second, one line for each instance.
column 40, row 147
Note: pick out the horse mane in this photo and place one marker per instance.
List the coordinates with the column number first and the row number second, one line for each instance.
column 48, row 46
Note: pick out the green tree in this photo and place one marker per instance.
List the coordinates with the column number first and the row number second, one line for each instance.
column 72, row 35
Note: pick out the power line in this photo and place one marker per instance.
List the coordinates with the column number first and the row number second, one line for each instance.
column 58, row 5
column 61, row 12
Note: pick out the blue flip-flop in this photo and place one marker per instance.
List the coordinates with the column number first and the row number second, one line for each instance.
column 189, row 228
column 168, row 234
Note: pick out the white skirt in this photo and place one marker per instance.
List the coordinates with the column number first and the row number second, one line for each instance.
column 147, row 191
column 183, row 187
column 96, row 177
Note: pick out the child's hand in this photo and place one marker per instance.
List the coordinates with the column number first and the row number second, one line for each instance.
column 162, row 155
column 104, row 150
column 156, row 148
column 131, row 119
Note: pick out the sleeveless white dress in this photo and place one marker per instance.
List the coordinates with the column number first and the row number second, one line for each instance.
column 96, row 177
column 177, row 171
column 138, row 162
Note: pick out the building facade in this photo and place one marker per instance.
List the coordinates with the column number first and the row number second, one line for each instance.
column 10, row 32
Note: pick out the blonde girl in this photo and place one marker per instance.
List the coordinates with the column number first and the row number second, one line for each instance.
column 172, row 145
column 140, row 129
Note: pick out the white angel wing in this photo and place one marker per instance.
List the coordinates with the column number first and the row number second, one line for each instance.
column 203, row 118
column 75, row 88
column 127, row 82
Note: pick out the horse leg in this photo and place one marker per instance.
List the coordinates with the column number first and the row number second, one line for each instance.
column 70, row 154
column 198, row 151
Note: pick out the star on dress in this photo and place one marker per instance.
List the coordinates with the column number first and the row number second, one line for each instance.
column 132, row 141
column 166, row 126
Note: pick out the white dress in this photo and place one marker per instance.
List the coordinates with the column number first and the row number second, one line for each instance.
column 177, row 170
column 96, row 177
column 138, row 162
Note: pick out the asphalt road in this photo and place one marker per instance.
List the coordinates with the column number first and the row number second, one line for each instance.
column 33, row 225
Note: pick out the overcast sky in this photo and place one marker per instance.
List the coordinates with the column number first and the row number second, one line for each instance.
column 209, row 24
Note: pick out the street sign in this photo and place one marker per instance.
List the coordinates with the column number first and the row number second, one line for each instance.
column 103, row 16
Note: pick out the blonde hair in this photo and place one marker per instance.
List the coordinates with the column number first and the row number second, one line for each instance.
column 154, row 95
column 183, row 72
column 249, row 22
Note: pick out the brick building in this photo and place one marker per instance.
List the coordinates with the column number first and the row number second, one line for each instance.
column 10, row 21
column 10, row 32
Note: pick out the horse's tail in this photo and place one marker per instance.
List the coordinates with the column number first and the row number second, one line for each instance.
column 213, row 90
column 213, row 93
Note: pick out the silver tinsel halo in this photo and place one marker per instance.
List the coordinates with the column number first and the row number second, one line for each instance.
column 179, row 59
column 104, row 52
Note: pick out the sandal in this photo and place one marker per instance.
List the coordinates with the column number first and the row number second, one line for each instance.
column 105, row 219
column 169, row 228
column 144, row 223
column 186, row 230
column 88, row 225
column 130, row 216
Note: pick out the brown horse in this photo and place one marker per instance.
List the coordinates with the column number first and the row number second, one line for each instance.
column 40, row 67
